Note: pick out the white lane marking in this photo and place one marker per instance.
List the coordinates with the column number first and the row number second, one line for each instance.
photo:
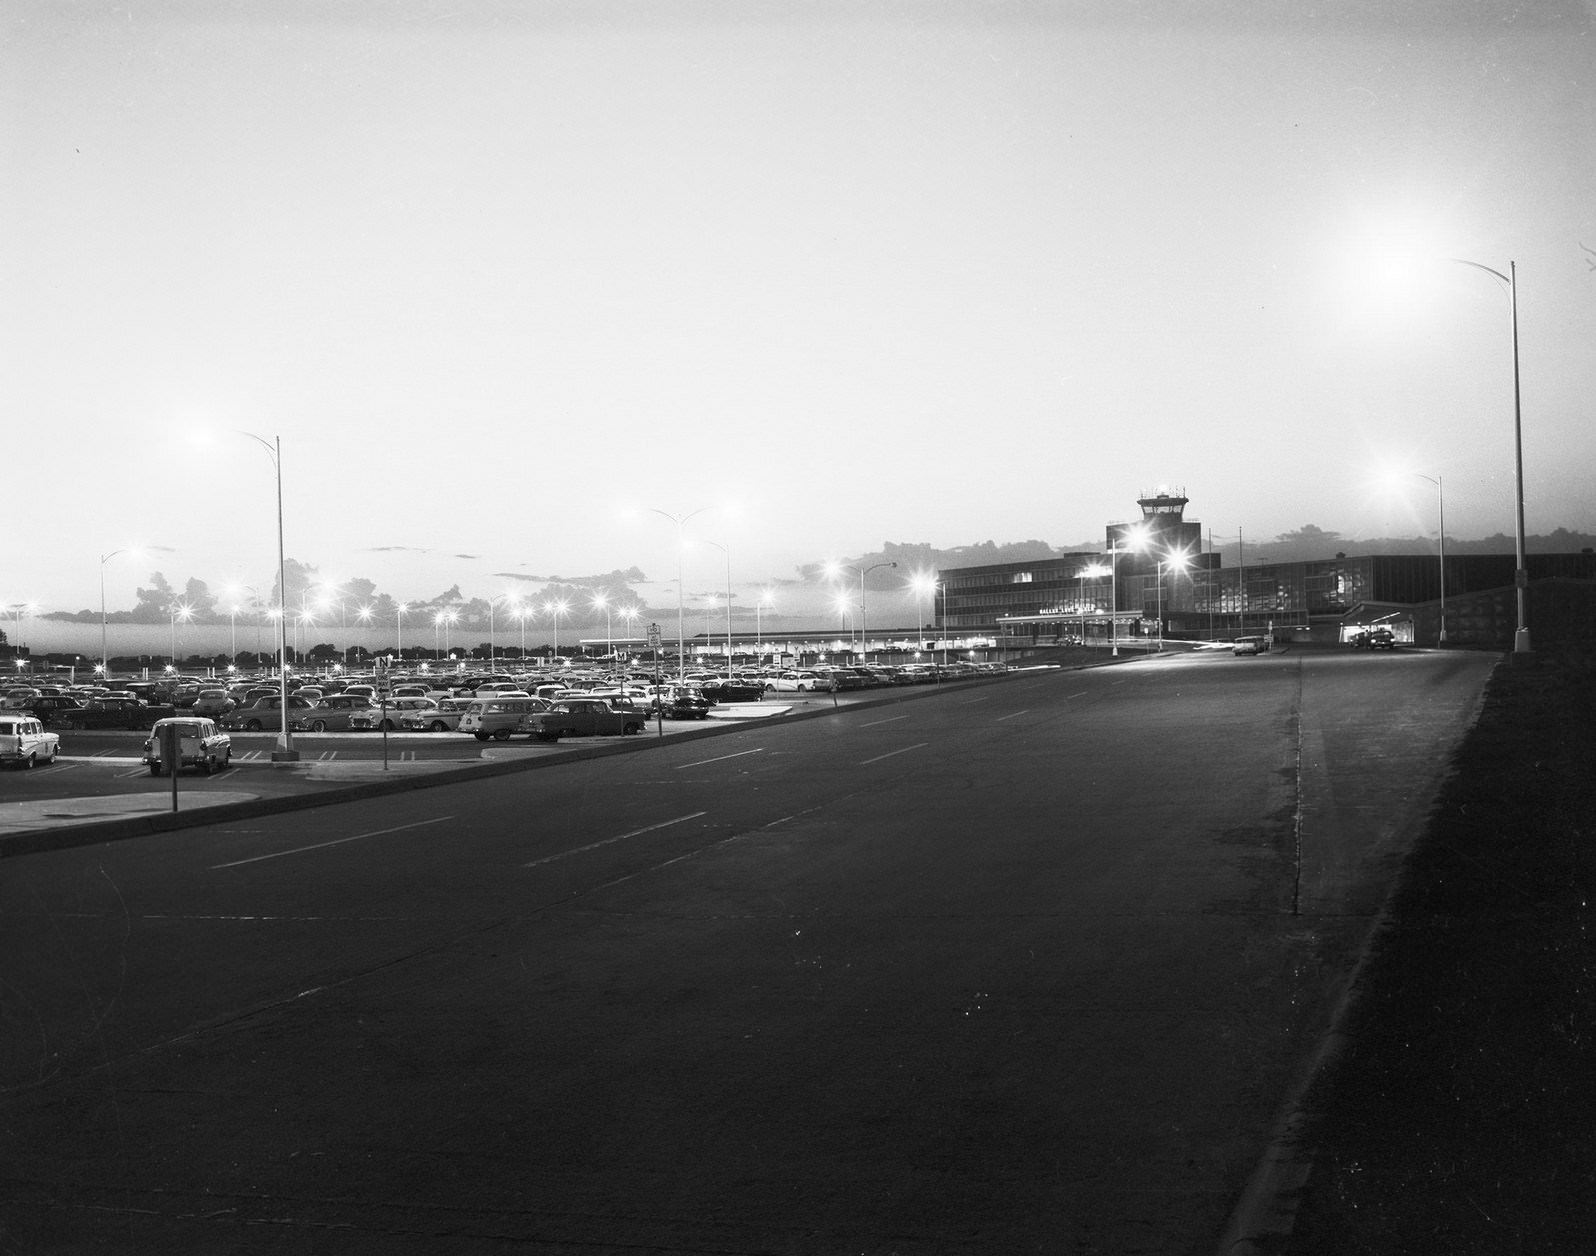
column 718, row 758
column 1009, row 716
column 300, row 850
column 888, row 720
column 581, row 850
column 972, row 701
column 1081, row 694
column 890, row 753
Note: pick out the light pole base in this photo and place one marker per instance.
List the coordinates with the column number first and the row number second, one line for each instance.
column 1521, row 642
column 285, row 756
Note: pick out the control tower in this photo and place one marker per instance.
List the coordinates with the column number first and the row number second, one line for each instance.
column 1162, row 530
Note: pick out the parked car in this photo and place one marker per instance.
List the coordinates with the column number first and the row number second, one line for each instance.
column 200, row 744
column 1250, row 645
column 792, row 682
column 332, row 714
column 212, row 703
column 1374, row 639
column 54, row 708
column 498, row 717
column 722, row 689
column 444, row 717
column 390, row 714
column 684, row 703
column 116, row 713
column 264, row 715
column 581, row 717
column 24, row 739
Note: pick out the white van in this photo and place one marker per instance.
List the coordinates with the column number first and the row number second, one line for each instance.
column 23, row 739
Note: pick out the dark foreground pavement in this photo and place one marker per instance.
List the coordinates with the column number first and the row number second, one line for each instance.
column 1459, row 1116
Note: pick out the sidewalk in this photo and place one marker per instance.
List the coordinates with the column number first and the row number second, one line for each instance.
column 1457, row 1116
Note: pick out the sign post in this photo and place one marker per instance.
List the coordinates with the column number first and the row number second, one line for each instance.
column 384, row 688
column 655, row 643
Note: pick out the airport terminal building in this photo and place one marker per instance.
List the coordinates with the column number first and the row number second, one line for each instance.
column 1155, row 578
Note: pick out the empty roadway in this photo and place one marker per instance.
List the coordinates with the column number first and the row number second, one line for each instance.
column 1026, row 966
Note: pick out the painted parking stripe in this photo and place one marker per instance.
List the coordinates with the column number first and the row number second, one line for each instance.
column 1009, row 716
column 300, row 850
column 890, row 753
column 720, row 758
column 610, row 841
column 888, row 720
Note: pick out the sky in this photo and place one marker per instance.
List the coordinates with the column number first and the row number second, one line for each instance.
column 513, row 281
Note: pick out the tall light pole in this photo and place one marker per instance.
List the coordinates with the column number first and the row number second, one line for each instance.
column 178, row 610
column 630, row 614
column 1096, row 571
column 18, row 608
column 399, row 630
column 1440, row 506
column 1177, row 562
column 601, row 601
column 450, row 617
column 759, row 624
column 285, row 752
column 555, row 609
column 726, row 550
column 1521, row 636
column 864, row 645
column 1114, row 551
column 923, row 583
column 105, row 661
column 681, row 540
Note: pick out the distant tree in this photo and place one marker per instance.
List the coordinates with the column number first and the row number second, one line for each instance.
column 154, row 603
column 199, row 599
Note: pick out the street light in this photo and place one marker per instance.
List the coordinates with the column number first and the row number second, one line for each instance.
column 1178, row 561
column 1114, row 551
column 521, row 612
column 1521, row 637
column 759, row 625
column 555, row 610
column 726, row 550
column 601, row 601
column 19, row 607
column 864, row 646
column 630, row 614
column 399, row 630
column 185, row 612
column 1096, row 571
column 681, row 540
column 923, row 583
column 1440, row 506
column 105, row 662
column 285, row 752
column 450, row 618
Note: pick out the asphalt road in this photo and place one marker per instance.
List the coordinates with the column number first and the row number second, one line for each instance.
column 1027, row 966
